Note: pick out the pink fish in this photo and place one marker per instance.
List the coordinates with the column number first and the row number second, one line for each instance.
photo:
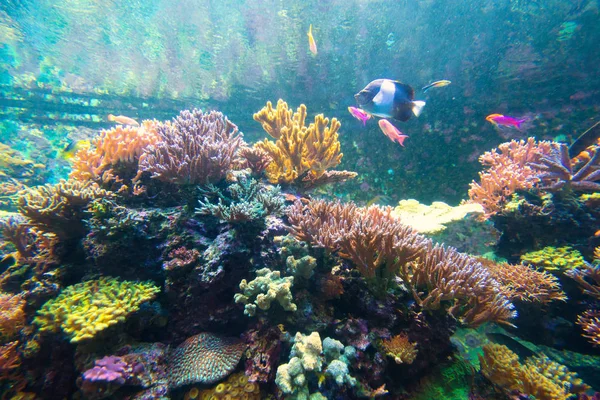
column 499, row 119
column 359, row 114
column 392, row 132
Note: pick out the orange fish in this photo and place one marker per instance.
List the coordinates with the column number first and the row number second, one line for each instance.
column 312, row 45
column 392, row 132
column 123, row 120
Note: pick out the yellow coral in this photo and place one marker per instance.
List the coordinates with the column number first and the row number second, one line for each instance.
column 432, row 219
column 14, row 165
column 301, row 155
column 400, row 349
column 84, row 309
column 539, row 376
column 555, row 259
column 236, row 387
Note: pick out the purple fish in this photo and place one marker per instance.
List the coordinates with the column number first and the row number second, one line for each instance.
column 359, row 114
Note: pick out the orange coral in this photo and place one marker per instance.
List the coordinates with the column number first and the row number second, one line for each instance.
column 509, row 171
column 520, row 282
column 539, row 376
column 10, row 361
column 400, row 348
column 590, row 323
column 12, row 316
column 119, row 147
column 301, row 155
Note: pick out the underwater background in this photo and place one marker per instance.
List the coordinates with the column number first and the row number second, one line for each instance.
column 189, row 210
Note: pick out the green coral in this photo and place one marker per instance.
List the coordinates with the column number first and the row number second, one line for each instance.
column 84, row 309
column 266, row 288
column 554, row 258
column 450, row 381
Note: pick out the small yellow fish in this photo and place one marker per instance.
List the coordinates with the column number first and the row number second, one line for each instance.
column 123, row 120
column 72, row 148
column 312, row 45
column 441, row 83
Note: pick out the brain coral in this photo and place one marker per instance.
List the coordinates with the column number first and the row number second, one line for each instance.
column 204, row 358
column 84, row 309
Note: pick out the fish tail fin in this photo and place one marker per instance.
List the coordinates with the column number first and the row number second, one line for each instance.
column 418, row 107
column 426, row 88
column 520, row 121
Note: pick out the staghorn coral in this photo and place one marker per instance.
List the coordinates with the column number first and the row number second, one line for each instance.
column 381, row 248
column 195, row 148
column 83, row 310
column 247, row 200
column 31, row 245
column 12, row 316
column 554, row 259
column 235, row 387
column 204, row 358
column 117, row 148
column 254, row 158
column 539, row 376
column 9, row 193
column 520, row 282
column 400, row 349
column 59, row 208
column 590, row 323
column 510, row 170
column 301, row 156
column 268, row 286
column 556, row 171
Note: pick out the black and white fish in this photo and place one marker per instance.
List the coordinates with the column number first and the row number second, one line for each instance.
column 386, row 98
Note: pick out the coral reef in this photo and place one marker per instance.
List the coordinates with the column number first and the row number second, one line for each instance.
column 85, row 309
column 523, row 283
column 400, row 349
column 554, row 259
column 59, row 208
column 268, row 286
column 510, row 170
column 13, row 165
column 381, row 248
column 301, row 155
column 195, row 148
column 307, row 357
column 12, row 316
column 539, row 376
column 204, row 358
column 434, row 218
column 235, row 387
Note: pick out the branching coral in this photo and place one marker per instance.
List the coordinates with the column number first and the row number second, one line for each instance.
column 556, row 171
column 509, row 170
column 590, row 323
column 12, row 316
column 520, row 282
column 588, row 277
column 539, row 376
column 246, row 200
column 555, row 259
column 381, row 248
column 195, row 148
column 400, row 349
column 119, row 147
column 59, row 208
column 31, row 245
column 301, row 155
column 85, row 309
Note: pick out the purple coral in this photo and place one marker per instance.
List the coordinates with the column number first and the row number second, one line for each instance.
column 195, row 148
column 557, row 171
column 108, row 369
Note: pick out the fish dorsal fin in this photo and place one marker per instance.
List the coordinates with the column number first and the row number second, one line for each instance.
column 406, row 89
column 386, row 93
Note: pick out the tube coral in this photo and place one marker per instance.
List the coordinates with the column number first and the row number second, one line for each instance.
column 509, row 170
column 301, row 155
column 195, row 148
